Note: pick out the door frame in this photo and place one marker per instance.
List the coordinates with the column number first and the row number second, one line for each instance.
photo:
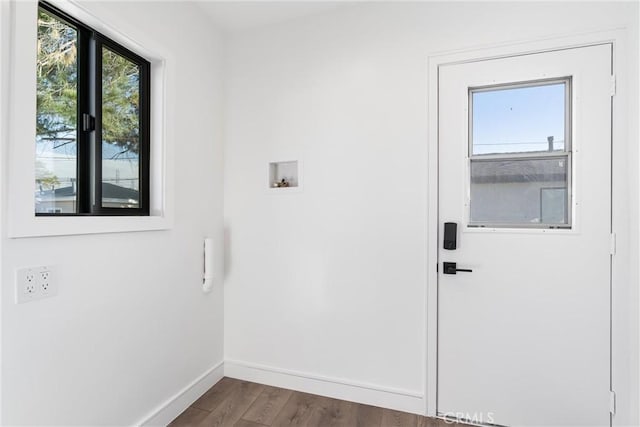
column 624, row 346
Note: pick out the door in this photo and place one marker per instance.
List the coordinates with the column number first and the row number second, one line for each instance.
column 525, row 173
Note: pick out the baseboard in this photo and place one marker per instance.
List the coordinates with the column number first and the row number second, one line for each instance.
column 370, row 394
column 169, row 410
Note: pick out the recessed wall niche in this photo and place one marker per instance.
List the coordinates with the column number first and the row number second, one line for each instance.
column 284, row 175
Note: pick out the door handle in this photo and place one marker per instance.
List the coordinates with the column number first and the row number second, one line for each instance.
column 452, row 268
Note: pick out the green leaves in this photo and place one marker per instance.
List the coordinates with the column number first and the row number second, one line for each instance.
column 57, row 88
column 120, row 101
column 57, row 78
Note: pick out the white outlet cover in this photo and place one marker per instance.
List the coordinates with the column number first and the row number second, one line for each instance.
column 25, row 285
column 33, row 283
column 45, row 282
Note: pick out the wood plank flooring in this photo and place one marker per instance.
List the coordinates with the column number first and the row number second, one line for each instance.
column 235, row 403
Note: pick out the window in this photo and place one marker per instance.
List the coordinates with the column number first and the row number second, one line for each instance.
column 520, row 155
column 93, row 122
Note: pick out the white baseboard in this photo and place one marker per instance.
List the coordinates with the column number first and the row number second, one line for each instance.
column 169, row 410
column 370, row 394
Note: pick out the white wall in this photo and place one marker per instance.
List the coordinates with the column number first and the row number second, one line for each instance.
column 130, row 326
column 331, row 282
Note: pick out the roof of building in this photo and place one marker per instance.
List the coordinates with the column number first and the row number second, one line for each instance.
column 516, row 171
column 109, row 191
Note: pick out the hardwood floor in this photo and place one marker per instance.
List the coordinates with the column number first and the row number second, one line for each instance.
column 235, row 403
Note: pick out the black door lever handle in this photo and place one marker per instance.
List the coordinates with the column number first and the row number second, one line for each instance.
column 452, row 268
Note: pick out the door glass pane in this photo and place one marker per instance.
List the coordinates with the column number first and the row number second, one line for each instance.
column 519, row 191
column 553, row 204
column 519, row 119
column 56, row 116
column 120, row 131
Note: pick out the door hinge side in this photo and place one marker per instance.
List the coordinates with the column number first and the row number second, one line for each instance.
column 613, row 85
column 612, row 402
column 613, row 244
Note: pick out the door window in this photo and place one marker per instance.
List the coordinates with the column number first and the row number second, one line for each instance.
column 520, row 155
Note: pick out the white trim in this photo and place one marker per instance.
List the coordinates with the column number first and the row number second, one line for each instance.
column 174, row 406
column 21, row 71
column 338, row 388
column 5, row 52
column 624, row 331
column 431, row 303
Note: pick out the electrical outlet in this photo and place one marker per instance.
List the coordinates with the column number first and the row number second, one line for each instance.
column 45, row 282
column 34, row 283
column 25, row 285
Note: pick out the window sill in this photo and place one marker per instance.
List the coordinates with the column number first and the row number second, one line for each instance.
column 43, row 226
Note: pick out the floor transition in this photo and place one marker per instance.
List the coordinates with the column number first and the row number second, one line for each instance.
column 235, row 403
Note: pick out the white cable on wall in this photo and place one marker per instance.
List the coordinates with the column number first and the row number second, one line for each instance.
column 207, row 284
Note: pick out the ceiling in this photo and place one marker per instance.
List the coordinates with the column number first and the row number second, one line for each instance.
column 242, row 15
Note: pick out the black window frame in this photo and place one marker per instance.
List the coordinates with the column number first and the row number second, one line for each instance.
column 90, row 44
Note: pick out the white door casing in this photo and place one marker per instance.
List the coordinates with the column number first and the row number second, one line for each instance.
column 525, row 338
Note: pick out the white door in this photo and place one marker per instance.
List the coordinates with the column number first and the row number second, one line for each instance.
column 525, row 173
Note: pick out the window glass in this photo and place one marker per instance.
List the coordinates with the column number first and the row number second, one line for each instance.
column 520, row 157
column 553, row 205
column 120, row 131
column 56, row 117
column 93, row 121
column 519, row 191
column 519, row 119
